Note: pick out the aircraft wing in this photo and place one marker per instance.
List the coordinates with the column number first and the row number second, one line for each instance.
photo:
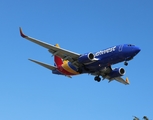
column 64, row 54
column 44, row 64
column 121, row 80
column 105, row 74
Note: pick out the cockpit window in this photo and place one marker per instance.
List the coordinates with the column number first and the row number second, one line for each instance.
column 130, row 45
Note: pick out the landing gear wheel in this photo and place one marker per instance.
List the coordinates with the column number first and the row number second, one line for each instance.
column 97, row 78
column 125, row 63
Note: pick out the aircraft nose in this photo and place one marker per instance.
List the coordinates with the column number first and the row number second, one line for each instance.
column 137, row 50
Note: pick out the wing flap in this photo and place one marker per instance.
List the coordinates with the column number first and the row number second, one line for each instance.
column 64, row 54
column 50, row 67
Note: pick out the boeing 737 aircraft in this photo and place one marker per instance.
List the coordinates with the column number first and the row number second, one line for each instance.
column 97, row 64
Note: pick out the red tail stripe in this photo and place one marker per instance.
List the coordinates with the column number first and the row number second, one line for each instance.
column 63, row 71
column 58, row 61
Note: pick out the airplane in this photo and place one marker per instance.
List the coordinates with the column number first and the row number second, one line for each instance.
column 98, row 64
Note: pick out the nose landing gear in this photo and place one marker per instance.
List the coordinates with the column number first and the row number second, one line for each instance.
column 125, row 63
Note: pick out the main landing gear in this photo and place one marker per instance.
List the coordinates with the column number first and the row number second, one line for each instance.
column 125, row 63
column 97, row 78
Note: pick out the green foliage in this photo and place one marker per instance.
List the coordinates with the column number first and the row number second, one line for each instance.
column 144, row 118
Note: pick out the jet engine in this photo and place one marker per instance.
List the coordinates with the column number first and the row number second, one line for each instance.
column 86, row 58
column 117, row 72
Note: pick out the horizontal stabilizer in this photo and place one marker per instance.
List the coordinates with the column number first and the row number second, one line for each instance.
column 44, row 64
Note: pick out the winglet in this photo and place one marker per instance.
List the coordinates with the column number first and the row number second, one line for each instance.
column 127, row 81
column 57, row 45
column 21, row 33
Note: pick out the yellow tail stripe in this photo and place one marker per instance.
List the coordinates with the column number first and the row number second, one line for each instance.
column 67, row 68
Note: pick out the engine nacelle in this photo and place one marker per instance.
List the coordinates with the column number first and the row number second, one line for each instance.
column 86, row 58
column 117, row 72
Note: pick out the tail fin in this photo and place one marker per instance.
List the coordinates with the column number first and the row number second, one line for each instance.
column 58, row 61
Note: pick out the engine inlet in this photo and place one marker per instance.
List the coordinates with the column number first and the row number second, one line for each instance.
column 91, row 56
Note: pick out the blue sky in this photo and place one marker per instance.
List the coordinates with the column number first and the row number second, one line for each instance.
column 29, row 91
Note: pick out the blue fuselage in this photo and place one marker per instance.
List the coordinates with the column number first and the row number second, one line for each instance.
column 107, row 57
column 112, row 55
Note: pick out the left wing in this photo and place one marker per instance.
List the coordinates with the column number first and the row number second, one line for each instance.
column 105, row 74
column 62, row 53
column 121, row 80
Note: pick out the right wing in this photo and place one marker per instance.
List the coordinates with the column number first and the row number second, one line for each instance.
column 62, row 53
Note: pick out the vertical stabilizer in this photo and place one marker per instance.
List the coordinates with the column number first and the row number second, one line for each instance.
column 58, row 61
